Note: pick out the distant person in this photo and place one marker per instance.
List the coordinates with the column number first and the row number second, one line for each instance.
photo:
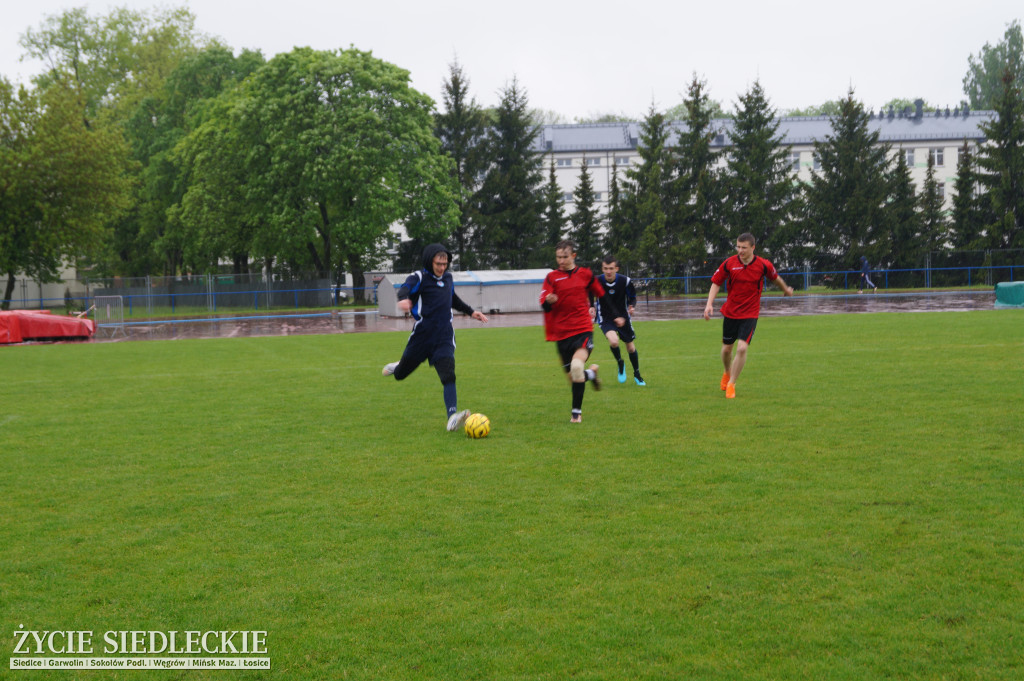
column 865, row 276
column 745, row 274
column 613, row 314
column 429, row 294
column 565, row 299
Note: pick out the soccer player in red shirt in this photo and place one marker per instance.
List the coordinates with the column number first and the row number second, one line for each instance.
column 565, row 299
column 745, row 274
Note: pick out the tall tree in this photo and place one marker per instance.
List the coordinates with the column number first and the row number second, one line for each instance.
column 1001, row 165
column 63, row 183
column 343, row 149
column 759, row 180
column 967, row 218
column 585, row 219
column 934, row 226
column 509, row 199
column 901, row 236
column 694, row 220
column 119, row 63
column 117, row 59
column 983, row 83
column 613, row 216
column 158, row 130
column 462, row 130
column 830, row 108
column 847, row 198
column 554, row 212
column 643, row 197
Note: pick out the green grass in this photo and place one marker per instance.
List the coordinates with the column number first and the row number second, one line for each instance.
column 856, row 513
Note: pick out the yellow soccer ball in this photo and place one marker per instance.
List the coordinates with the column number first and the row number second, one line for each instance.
column 477, row 426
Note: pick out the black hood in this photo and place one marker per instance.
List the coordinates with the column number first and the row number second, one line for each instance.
column 428, row 256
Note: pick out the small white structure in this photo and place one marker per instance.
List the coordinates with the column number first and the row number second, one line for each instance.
column 492, row 291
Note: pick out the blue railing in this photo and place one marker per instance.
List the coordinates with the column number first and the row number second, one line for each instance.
column 262, row 299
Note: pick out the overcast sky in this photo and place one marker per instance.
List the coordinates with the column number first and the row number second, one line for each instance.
column 586, row 58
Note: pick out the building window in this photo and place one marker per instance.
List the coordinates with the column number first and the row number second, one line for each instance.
column 593, row 161
column 567, row 197
column 942, row 190
column 564, row 162
column 937, row 156
column 597, row 196
column 817, row 162
column 908, row 157
column 622, row 160
column 794, row 161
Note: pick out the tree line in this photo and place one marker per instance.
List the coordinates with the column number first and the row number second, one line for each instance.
column 147, row 147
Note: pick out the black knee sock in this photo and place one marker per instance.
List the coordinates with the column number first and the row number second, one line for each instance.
column 577, row 397
column 617, row 354
column 634, row 359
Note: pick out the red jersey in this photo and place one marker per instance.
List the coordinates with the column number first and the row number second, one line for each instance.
column 745, row 283
column 570, row 315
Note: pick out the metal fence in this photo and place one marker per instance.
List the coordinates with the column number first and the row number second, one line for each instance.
column 164, row 296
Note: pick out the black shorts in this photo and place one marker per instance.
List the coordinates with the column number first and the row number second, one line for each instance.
column 567, row 347
column 626, row 332
column 742, row 329
column 425, row 347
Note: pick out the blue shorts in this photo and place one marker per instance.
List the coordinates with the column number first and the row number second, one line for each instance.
column 626, row 332
column 425, row 347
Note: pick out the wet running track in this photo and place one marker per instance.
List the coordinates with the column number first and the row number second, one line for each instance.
column 360, row 321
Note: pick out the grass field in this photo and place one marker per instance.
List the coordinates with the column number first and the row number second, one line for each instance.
column 856, row 513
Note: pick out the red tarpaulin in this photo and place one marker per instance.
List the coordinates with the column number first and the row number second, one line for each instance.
column 17, row 326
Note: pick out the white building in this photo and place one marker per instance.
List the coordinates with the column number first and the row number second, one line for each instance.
column 607, row 147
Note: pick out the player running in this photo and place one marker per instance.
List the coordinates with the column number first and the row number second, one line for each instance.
column 613, row 314
column 565, row 298
column 429, row 294
column 745, row 274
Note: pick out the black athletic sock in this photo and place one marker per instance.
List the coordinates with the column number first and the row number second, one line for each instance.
column 617, row 354
column 577, row 395
column 634, row 359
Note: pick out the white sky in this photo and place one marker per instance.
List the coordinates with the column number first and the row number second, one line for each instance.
column 588, row 57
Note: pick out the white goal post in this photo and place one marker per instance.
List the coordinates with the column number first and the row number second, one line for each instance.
column 109, row 316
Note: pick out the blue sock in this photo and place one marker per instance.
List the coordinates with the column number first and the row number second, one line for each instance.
column 451, row 401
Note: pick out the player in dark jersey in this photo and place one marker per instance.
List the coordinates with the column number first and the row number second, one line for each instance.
column 565, row 298
column 429, row 294
column 745, row 274
column 613, row 312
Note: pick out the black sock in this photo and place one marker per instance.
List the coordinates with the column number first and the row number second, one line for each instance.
column 577, row 396
column 617, row 354
column 634, row 359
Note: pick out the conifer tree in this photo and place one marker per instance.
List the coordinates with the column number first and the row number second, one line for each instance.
column 509, row 199
column 462, row 128
column 967, row 220
column 847, row 198
column 1001, row 165
column 614, row 213
column 694, row 228
column 554, row 212
column 585, row 220
column 759, row 182
column 642, row 197
column 901, row 237
column 934, row 227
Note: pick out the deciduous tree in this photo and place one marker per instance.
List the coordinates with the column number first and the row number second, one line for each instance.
column 983, row 83
column 344, row 149
column 62, row 182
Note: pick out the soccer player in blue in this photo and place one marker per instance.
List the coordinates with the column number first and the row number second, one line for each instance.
column 429, row 294
column 613, row 312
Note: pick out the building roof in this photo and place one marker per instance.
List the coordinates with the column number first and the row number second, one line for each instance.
column 893, row 128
